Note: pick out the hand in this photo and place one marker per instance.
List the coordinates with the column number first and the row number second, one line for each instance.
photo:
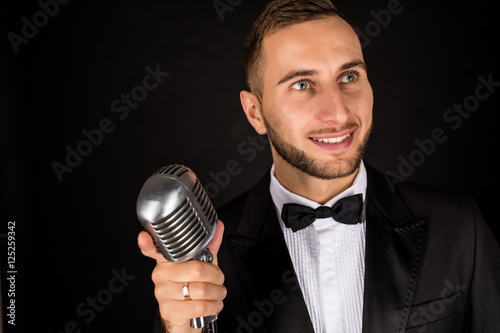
column 205, row 285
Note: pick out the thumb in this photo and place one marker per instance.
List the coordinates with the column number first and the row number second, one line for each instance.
column 148, row 247
column 216, row 242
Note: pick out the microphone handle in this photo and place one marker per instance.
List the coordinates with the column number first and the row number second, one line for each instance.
column 211, row 327
column 209, row 321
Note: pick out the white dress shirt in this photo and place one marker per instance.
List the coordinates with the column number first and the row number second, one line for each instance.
column 329, row 259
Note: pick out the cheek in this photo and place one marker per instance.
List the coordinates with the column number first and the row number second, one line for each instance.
column 285, row 117
column 360, row 104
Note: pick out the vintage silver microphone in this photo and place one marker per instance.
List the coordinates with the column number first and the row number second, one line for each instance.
column 173, row 207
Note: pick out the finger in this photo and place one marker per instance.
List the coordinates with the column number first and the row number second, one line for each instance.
column 148, row 247
column 177, row 313
column 195, row 290
column 216, row 241
column 189, row 271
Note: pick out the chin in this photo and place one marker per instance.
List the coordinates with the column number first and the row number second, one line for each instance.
column 334, row 169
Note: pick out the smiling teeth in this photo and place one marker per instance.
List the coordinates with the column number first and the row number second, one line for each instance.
column 333, row 140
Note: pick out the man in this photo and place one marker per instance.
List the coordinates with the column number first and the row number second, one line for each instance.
column 376, row 255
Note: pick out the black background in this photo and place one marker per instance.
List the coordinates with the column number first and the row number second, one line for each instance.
column 71, row 234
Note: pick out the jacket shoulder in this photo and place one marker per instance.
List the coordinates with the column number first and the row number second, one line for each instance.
column 421, row 199
column 231, row 212
column 251, row 205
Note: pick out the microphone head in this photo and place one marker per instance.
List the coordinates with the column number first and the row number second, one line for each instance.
column 173, row 207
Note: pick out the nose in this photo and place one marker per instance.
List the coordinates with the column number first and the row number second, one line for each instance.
column 331, row 106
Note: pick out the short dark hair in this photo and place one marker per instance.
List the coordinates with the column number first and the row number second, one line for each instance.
column 278, row 14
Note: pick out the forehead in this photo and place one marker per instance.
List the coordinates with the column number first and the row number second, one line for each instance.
column 325, row 42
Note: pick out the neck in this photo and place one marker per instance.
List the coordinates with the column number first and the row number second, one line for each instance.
column 312, row 188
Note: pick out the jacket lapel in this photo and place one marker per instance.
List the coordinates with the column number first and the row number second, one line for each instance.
column 265, row 266
column 395, row 243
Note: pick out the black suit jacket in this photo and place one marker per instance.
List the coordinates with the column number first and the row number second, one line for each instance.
column 432, row 264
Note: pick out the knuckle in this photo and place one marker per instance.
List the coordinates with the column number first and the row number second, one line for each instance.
column 197, row 270
column 161, row 272
column 200, row 290
column 201, row 307
column 223, row 292
column 159, row 292
column 222, row 276
column 167, row 309
column 156, row 274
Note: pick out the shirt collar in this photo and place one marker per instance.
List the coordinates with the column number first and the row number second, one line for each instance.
column 282, row 196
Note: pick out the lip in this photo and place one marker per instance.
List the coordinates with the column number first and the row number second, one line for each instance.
column 344, row 143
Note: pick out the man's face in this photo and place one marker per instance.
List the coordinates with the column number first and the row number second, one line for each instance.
column 317, row 101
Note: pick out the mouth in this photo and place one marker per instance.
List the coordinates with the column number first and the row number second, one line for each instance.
column 332, row 140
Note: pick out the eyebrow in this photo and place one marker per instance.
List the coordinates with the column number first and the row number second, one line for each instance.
column 309, row 72
column 352, row 64
column 296, row 73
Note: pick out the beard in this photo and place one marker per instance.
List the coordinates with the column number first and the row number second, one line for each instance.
column 299, row 159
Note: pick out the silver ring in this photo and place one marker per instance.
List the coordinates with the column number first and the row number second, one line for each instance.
column 185, row 291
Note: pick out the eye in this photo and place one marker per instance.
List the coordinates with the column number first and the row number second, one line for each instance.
column 301, row 85
column 349, row 77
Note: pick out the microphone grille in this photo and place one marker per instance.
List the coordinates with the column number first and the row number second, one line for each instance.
column 177, row 212
column 204, row 201
column 175, row 170
column 180, row 232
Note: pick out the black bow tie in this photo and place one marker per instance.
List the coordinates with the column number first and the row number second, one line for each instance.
column 347, row 210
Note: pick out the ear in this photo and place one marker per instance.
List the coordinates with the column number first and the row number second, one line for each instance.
column 252, row 108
